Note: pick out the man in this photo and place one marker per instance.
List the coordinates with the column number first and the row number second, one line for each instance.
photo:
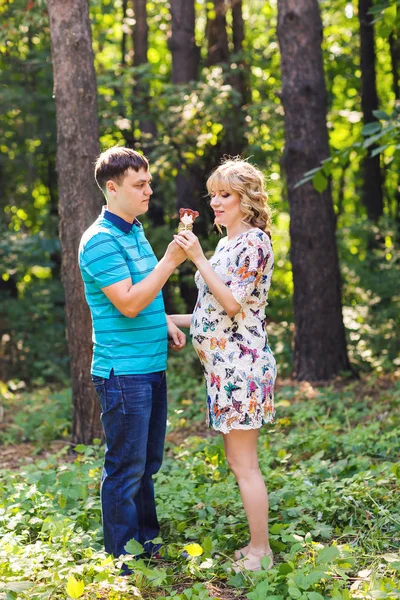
column 123, row 284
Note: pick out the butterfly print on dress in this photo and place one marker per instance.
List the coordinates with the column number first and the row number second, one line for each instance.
column 237, row 362
column 244, row 351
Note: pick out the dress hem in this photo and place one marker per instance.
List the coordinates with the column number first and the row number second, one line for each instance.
column 268, row 421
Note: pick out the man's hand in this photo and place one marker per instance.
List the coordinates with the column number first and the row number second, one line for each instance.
column 175, row 254
column 177, row 339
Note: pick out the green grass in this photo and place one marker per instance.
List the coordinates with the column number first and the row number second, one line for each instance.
column 331, row 465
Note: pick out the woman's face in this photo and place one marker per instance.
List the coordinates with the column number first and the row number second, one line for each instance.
column 226, row 207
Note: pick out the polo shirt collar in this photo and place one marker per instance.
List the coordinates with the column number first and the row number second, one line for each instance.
column 123, row 225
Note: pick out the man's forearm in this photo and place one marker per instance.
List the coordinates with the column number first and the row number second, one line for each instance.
column 141, row 294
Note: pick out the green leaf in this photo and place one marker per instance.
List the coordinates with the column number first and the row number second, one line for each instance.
column 260, row 592
column 371, row 128
column 390, row 16
column 133, row 547
column 277, row 528
column 327, row 166
column 266, row 562
column 302, row 182
column 74, row 587
column 236, row 581
column 18, row 586
column 207, row 544
column 396, row 470
column 314, row 596
column 157, row 577
column 379, row 150
column 320, row 182
column 369, row 141
column 80, row 448
column 62, row 501
column 327, row 554
column 381, row 115
column 312, row 171
column 286, row 568
column 294, row 592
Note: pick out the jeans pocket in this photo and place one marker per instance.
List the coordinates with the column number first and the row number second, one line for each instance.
column 110, row 397
column 99, row 386
column 137, row 393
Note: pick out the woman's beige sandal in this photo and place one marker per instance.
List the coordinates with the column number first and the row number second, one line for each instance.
column 242, row 553
column 252, row 562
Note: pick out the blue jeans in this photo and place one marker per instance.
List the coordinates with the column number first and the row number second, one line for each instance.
column 134, row 416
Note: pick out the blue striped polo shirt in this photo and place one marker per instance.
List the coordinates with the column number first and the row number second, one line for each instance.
column 112, row 250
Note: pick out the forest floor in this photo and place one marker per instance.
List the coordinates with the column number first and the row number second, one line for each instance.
column 331, row 462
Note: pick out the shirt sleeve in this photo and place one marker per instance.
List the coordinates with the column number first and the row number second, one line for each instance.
column 103, row 261
column 251, row 259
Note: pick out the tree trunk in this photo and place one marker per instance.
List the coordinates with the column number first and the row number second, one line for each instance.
column 185, row 65
column 241, row 82
column 142, row 88
column 235, row 140
column 372, row 191
column 320, row 346
column 79, row 198
column 190, row 183
column 140, row 33
column 217, row 38
column 182, row 43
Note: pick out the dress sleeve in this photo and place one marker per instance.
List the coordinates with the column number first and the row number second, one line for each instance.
column 103, row 261
column 250, row 260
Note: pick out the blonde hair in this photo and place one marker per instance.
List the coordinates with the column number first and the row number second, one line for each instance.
column 238, row 175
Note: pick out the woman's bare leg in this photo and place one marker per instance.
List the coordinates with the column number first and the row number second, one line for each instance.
column 241, row 453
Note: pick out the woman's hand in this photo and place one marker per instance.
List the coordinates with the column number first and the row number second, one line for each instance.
column 181, row 320
column 191, row 245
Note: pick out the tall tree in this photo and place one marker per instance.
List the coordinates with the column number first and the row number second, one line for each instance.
column 372, row 190
column 182, row 42
column 79, row 198
column 217, row 37
column 240, row 82
column 190, row 184
column 320, row 346
column 142, row 88
column 185, row 66
column 235, row 140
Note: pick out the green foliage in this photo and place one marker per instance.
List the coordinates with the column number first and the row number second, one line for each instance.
column 385, row 131
column 33, row 303
column 333, row 478
column 39, row 417
column 192, row 124
column 370, row 270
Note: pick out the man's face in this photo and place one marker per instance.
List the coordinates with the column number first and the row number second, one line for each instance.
column 131, row 197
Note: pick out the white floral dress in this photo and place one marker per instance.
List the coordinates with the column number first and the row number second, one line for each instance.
column 238, row 364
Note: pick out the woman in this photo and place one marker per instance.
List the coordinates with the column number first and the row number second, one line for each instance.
column 228, row 333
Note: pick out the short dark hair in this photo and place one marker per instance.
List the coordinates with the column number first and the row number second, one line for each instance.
column 114, row 162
